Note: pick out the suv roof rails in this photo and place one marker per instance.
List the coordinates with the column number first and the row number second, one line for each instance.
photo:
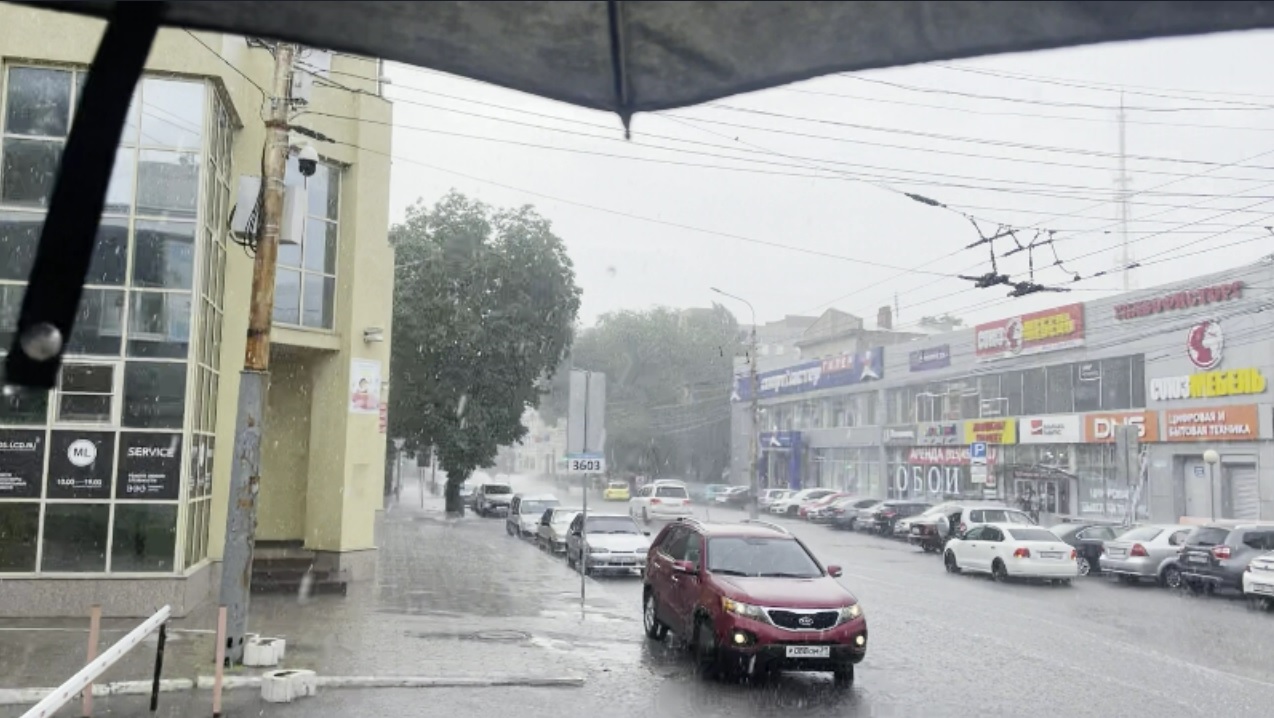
column 767, row 524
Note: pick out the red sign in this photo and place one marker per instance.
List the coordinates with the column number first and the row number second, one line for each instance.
column 1185, row 299
column 384, row 417
column 1034, row 333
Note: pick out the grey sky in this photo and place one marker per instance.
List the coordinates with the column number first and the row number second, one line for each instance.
column 1200, row 100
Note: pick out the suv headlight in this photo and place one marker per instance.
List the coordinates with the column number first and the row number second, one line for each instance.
column 729, row 605
column 849, row 613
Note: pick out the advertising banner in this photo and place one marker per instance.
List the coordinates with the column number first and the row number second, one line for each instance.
column 80, row 464
column 1100, row 428
column 1238, row 422
column 843, row 370
column 1179, row 300
column 1056, row 429
column 149, row 467
column 938, row 357
column 21, row 463
column 1034, row 333
column 939, row 433
column 991, row 431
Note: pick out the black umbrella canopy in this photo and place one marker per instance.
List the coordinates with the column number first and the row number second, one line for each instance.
column 629, row 57
column 620, row 56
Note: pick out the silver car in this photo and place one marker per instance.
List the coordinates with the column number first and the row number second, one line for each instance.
column 607, row 543
column 551, row 535
column 1146, row 553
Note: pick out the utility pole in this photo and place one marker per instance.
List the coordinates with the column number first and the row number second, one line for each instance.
column 1123, row 182
column 754, row 439
column 245, row 473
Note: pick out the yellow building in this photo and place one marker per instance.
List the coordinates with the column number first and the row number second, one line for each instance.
column 113, row 486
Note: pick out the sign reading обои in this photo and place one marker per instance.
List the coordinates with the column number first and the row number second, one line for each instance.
column 1184, row 299
column 1044, row 331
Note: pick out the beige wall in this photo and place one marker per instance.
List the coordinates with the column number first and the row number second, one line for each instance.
column 343, row 468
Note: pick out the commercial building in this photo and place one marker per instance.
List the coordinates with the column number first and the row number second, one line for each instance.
column 1186, row 364
column 113, row 486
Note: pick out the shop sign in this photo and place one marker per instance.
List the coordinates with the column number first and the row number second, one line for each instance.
column 1205, row 343
column 1226, row 423
column 914, row 480
column 843, row 370
column 939, row 433
column 938, row 357
column 1034, row 333
column 80, row 464
column 1058, row 429
column 149, row 467
column 991, row 431
column 1100, row 428
column 1175, row 301
column 1208, row 385
column 779, row 439
column 899, row 435
column 21, row 463
column 947, row 455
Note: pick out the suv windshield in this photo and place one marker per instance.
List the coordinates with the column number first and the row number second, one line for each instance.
column 611, row 525
column 755, row 556
column 497, row 489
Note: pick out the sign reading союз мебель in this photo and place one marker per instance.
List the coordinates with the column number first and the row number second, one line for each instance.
column 844, row 370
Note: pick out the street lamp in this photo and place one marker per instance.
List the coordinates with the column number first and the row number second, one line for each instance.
column 1212, row 458
column 756, row 423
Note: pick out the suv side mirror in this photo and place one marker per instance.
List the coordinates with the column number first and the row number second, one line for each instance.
column 685, row 567
column 834, row 571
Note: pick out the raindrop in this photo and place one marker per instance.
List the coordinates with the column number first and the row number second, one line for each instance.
column 464, row 399
column 42, row 342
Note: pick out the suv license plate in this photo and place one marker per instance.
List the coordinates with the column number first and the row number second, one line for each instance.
column 1198, row 559
column 809, row 651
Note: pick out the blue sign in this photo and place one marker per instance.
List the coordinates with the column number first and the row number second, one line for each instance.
column 938, row 357
column 977, row 450
column 843, row 370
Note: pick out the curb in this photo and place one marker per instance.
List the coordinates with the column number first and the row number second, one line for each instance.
column 31, row 696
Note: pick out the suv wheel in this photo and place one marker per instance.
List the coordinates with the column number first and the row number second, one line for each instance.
column 950, row 561
column 707, row 653
column 655, row 629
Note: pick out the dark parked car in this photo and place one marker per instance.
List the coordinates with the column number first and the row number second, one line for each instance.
column 751, row 597
column 884, row 517
column 845, row 513
column 1216, row 555
column 1088, row 538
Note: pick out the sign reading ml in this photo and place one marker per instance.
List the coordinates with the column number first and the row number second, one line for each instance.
column 843, row 370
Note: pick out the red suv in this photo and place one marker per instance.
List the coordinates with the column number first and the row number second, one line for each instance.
column 749, row 597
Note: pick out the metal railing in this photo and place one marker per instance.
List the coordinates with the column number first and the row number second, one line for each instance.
column 83, row 680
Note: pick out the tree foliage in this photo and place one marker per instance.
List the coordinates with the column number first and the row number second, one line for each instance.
column 668, row 382
column 484, row 308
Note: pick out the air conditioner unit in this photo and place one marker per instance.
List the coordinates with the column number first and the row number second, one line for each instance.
column 246, row 214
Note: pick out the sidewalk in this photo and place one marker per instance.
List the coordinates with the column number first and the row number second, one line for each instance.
column 452, row 598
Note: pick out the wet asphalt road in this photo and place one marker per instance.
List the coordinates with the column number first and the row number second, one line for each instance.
column 940, row 644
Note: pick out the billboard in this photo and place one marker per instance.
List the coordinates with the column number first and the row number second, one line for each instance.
column 1033, row 333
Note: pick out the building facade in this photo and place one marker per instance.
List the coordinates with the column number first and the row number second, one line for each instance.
column 1185, row 364
column 113, row 486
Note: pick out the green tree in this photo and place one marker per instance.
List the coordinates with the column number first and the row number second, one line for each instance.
column 668, row 382
column 484, row 309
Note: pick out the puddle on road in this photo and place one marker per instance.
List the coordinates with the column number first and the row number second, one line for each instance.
column 492, row 636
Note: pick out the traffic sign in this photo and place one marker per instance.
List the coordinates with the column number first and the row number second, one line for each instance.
column 977, row 453
column 585, row 464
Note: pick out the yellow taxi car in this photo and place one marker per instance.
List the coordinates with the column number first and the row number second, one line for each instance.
column 616, row 491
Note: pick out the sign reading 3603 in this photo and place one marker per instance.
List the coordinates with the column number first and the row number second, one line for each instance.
column 586, row 465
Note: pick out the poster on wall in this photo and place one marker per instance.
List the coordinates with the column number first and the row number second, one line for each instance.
column 149, row 467
column 21, row 463
column 80, row 464
column 364, row 386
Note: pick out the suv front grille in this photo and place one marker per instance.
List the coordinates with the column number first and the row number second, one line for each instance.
column 803, row 620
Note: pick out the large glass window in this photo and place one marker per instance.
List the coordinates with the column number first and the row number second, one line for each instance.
column 305, row 284
column 83, row 494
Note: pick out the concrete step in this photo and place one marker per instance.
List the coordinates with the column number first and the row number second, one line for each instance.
column 266, row 585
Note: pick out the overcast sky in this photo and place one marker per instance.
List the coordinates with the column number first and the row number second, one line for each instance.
column 792, row 197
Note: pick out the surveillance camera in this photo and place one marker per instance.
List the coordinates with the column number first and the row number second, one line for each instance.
column 307, row 160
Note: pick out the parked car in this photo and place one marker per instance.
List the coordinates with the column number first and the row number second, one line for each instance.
column 769, row 496
column 883, row 518
column 1146, row 553
column 606, row 543
column 1011, row 550
column 750, row 597
column 927, row 531
column 662, row 499
column 819, row 505
column 1088, row 538
column 791, row 505
column 1216, row 556
column 525, row 512
column 492, row 499
column 551, row 534
column 723, row 497
column 1258, row 581
column 616, row 491
column 738, row 499
column 844, row 514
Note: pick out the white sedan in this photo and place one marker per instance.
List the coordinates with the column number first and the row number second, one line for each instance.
column 1011, row 551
